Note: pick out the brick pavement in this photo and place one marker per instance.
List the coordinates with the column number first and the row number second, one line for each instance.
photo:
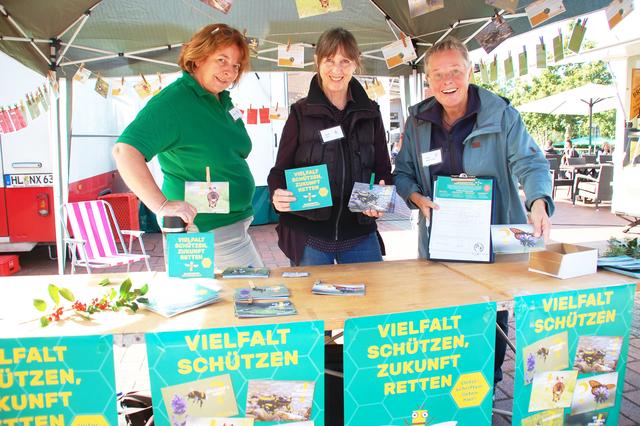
column 576, row 224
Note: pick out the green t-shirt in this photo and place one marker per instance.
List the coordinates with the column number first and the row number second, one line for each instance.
column 188, row 128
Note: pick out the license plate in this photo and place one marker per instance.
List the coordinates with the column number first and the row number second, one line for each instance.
column 36, row 179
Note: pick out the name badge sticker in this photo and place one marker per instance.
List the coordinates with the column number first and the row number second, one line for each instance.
column 235, row 113
column 331, row 134
column 432, row 157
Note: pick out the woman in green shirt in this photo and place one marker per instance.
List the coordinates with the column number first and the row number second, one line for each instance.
column 191, row 125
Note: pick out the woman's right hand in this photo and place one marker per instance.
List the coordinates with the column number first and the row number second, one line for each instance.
column 282, row 200
column 179, row 208
column 424, row 204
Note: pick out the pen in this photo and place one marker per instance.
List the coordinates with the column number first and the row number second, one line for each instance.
column 373, row 178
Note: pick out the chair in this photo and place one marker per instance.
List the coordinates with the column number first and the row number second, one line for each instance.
column 576, row 161
column 589, row 158
column 93, row 244
column 597, row 189
column 558, row 179
column 605, row 158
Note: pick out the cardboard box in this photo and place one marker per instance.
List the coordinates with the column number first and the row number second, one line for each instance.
column 564, row 261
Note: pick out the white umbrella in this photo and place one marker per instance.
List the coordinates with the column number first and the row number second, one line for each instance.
column 588, row 99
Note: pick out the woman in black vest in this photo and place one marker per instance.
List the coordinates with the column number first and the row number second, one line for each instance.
column 336, row 101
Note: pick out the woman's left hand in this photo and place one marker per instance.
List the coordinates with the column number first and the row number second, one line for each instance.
column 540, row 219
column 374, row 213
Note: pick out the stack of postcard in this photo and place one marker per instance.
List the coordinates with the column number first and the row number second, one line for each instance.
column 275, row 292
column 245, row 272
column 625, row 265
column 338, row 289
column 372, row 197
column 515, row 238
column 258, row 309
column 171, row 297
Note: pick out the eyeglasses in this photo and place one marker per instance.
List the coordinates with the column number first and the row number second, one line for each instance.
column 224, row 63
column 454, row 74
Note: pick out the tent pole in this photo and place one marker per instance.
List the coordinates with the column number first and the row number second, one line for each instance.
column 590, row 122
column 13, row 23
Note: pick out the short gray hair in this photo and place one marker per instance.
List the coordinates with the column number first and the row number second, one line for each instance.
column 449, row 43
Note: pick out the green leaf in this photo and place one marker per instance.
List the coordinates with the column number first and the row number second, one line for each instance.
column 134, row 307
column 113, row 294
column 125, row 287
column 144, row 289
column 67, row 294
column 40, row 304
column 142, row 300
column 44, row 321
column 54, row 292
column 104, row 282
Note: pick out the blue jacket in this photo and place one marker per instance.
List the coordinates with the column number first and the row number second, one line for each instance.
column 499, row 146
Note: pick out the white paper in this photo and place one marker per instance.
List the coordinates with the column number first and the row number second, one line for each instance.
column 235, row 113
column 617, row 11
column 331, row 134
column 291, row 57
column 460, row 229
column 432, row 157
column 397, row 53
column 542, row 10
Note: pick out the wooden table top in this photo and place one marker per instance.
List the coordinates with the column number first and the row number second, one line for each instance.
column 392, row 286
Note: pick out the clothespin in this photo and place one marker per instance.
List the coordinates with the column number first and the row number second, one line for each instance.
column 403, row 37
column 248, row 301
column 288, row 44
column 252, row 285
column 560, row 31
column 244, row 33
column 541, row 40
column 372, row 180
column 524, row 48
column 584, row 23
column 81, row 67
column 497, row 17
column 277, row 103
column 366, row 86
column 122, row 81
column 208, row 175
column 578, row 23
column 144, row 79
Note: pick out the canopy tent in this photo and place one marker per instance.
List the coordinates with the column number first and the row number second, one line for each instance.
column 584, row 100
column 143, row 36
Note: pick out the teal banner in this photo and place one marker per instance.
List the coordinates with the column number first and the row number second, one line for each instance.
column 430, row 367
column 571, row 356
column 190, row 255
column 273, row 373
column 57, row 381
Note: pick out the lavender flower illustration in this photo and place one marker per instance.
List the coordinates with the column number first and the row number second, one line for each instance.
column 600, row 394
column 178, row 405
column 531, row 362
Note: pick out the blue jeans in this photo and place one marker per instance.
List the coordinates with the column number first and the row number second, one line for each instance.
column 367, row 250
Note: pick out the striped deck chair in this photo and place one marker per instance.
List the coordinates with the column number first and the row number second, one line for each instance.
column 93, row 244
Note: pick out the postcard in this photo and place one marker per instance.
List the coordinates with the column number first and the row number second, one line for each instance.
column 595, row 393
column 307, row 8
column 541, row 11
column 508, row 5
column 232, row 421
column 552, row 389
column 264, row 309
column 245, row 272
column 620, row 262
column 514, row 239
column 622, row 271
column 420, row 7
column 208, row 197
column 541, row 55
column 223, row 6
column 265, row 292
column 508, row 68
column 523, row 63
column 310, row 186
column 588, row 419
column 280, row 400
column 102, row 87
column 497, row 31
column 597, row 354
column 294, row 274
column 372, row 197
column 617, row 11
column 548, row 354
column 210, row 397
column 172, row 296
column 291, row 56
column 545, row 418
column 558, row 48
column 577, row 37
column 338, row 289
column 399, row 52
column 190, row 255
column 82, row 75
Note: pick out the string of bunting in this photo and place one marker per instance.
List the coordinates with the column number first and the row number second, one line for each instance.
column 16, row 116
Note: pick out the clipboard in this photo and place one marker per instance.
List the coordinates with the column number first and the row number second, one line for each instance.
column 460, row 231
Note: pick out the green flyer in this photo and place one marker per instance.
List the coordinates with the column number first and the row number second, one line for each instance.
column 571, row 356
column 190, row 255
column 432, row 367
column 273, row 373
column 310, row 186
column 57, row 381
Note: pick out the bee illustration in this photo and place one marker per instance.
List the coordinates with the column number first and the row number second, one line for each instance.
column 600, row 391
column 197, row 397
column 543, row 353
column 526, row 238
column 419, row 417
column 324, row 4
column 592, row 357
column 558, row 389
column 212, row 197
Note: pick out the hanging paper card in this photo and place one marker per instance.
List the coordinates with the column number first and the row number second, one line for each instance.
column 371, row 91
column 508, row 68
column 493, row 34
column 558, row 48
column 308, row 8
column 208, row 197
column 617, row 11
column 379, row 88
column 53, row 83
column 399, row 52
column 523, row 63
column 278, row 112
column 102, row 87
column 508, row 5
column 264, row 116
column 541, row 56
column 23, row 110
column 252, row 116
column 577, row 36
column 82, row 75
column 420, row 7
column 223, row 6
column 473, row 79
column 32, row 106
column 143, row 89
column 291, row 56
column 5, row 121
column 17, row 119
column 253, row 43
column 493, row 70
column 484, row 73
column 43, row 97
column 634, row 111
column 543, row 10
